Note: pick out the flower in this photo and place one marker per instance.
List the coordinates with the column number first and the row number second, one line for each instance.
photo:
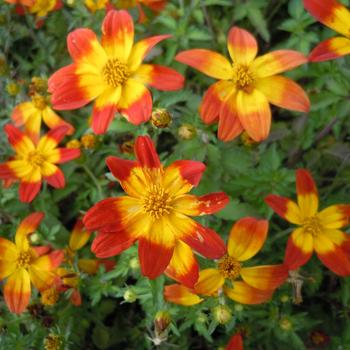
column 156, row 212
column 21, row 2
column 94, row 5
column 31, row 113
column 42, row 7
column 112, row 74
column 35, row 162
column 22, row 265
column 317, row 230
column 240, row 99
column 235, row 343
column 257, row 283
column 337, row 17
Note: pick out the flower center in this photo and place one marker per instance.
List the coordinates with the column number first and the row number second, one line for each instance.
column 242, row 77
column 115, row 73
column 156, row 203
column 229, row 267
column 50, row 296
column 35, row 158
column 24, row 259
column 39, row 102
column 312, row 225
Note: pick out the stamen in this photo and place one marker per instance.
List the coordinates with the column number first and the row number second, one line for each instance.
column 156, row 203
column 115, row 73
column 24, row 259
column 35, row 158
column 312, row 225
column 229, row 267
column 39, row 102
column 242, row 77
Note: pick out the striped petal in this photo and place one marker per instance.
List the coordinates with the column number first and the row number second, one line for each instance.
column 246, row 238
column 27, row 226
column 142, row 48
column 254, row 113
column 18, row 140
column 17, row 291
column 330, row 49
column 146, row 153
column 245, row 294
column 135, row 103
column 50, row 141
column 8, row 171
column 28, row 191
column 120, row 168
column 284, row 92
column 331, row 13
column 79, row 236
column 208, row 62
column 56, row 179
column 159, row 77
column 53, row 120
column 209, row 108
column 41, row 279
column 242, row 46
column 26, row 114
column 335, row 216
column 299, row 249
column 307, row 193
column 267, row 277
column 183, row 266
column 181, row 295
column 285, row 208
column 235, row 343
column 8, row 256
column 118, row 34
column 209, row 282
column 277, row 62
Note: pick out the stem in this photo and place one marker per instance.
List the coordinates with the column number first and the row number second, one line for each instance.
column 94, row 180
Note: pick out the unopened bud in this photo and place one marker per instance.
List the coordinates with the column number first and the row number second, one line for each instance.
column 222, row 314
column 134, row 263
column 161, row 118
column 73, row 144
column 285, row 324
column 162, row 321
column 13, row 88
column 53, row 342
column 88, row 141
column 130, row 296
column 127, row 147
column 49, row 296
column 187, row 132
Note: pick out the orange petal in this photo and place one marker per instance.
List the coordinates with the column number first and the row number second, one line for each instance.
column 254, row 113
column 335, row 216
column 307, row 193
column 27, row 226
column 181, row 295
column 7, row 172
column 118, row 34
column 265, row 277
column 330, row 49
column 331, row 13
column 8, row 256
column 41, row 279
column 285, row 208
column 242, row 46
column 17, row 291
column 53, row 120
column 284, row 92
column 79, row 236
column 63, row 155
column 209, row 282
column 212, row 100
column 235, row 343
column 244, row 294
column 146, row 153
column 50, row 141
column 183, row 266
column 28, row 191
column 18, row 140
column 276, row 62
column 26, row 114
column 246, row 238
column 299, row 249
column 208, row 62
column 56, row 179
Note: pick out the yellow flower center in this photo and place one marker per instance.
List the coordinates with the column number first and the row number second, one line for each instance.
column 242, row 77
column 312, row 225
column 229, row 267
column 35, row 158
column 39, row 102
column 24, row 259
column 115, row 73
column 156, row 202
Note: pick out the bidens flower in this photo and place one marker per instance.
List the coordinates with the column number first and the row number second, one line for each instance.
column 246, row 285
column 240, row 99
column 318, row 230
column 35, row 162
column 156, row 212
column 337, row 17
column 22, row 265
column 112, row 74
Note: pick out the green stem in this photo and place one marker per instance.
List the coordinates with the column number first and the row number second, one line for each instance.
column 94, row 180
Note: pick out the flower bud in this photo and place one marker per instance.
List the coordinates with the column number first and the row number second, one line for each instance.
column 319, row 338
column 187, row 132
column 222, row 314
column 52, row 342
column 49, row 296
column 134, row 264
column 285, row 324
column 162, row 321
column 130, row 296
column 161, row 118
column 73, row 144
column 89, row 141
column 127, row 147
column 12, row 88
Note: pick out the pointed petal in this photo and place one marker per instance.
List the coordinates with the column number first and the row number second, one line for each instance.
column 209, row 282
column 254, row 114
column 245, row 294
column 18, row 140
column 183, row 266
column 330, row 49
column 91, row 266
column 50, row 141
column 146, row 153
column 242, row 46
column 235, row 343
column 284, row 92
column 277, row 62
column 285, row 208
column 208, row 62
column 27, row 226
column 8, row 256
column 120, row 168
column 53, row 120
column 307, row 193
column 41, row 279
column 7, row 172
column 246, row 238
column 335, row 216
column 56, row 178
column 180, row 295
column 118, row 34
column 79, row 236
column 63, row 155
column 28, row 191
column 267, row 277
column 26, row 114
column 299, row 249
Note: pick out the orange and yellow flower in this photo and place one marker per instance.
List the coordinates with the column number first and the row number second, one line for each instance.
column 156, row 212
column 246, row 285
column 42, row 7
column 31, row 113
column 240, row 99
column 22, row 265
column 94, row 5
column 317, row 230
column 337, row 17
column 36, row 161
column 112, row 74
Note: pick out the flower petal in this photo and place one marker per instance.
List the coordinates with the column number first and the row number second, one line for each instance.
column 8, row 256
column 235, row 343
column 50, row 141
column 63, row 155
column 181, row 295
column 41, row 279
column 254, row 113
column 246, row 238
column 146, row 153
column 307, row 193
column 206, row 61
column 27, row 226
column 242, row 46
column 330, row 49
column 91, row 266
column 53, row 120
column 335, row 216
column 56, row 179
column 209, row 282
column 28, row 191
column 284, row 92
column 79, row 236
column 18, row 140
